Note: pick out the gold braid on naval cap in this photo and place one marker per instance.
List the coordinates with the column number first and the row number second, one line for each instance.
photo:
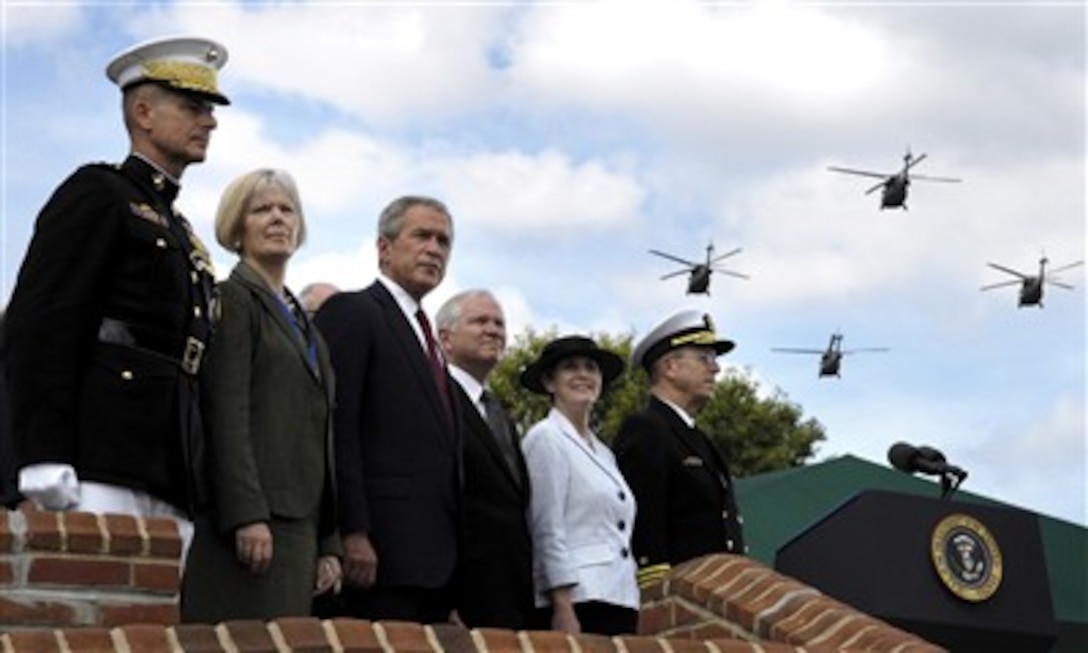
column 182, row 75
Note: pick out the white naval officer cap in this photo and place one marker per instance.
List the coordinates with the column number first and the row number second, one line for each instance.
column 685, row 329
column 184, row 63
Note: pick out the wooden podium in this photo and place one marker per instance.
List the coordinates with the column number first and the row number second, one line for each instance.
column 965, row 576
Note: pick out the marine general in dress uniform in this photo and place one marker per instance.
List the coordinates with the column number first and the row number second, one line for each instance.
column 111, row 309
column 686, row 506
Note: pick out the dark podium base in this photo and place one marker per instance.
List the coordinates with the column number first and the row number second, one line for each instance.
column 875, row 553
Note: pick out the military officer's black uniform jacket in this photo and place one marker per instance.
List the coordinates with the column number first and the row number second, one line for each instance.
column 104, row 333
column 686, row 506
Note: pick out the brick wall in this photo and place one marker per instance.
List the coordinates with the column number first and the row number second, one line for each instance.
column 83, row 583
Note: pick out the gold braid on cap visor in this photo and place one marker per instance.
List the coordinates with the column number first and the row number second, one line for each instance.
column 182, row 75
column 696, row 338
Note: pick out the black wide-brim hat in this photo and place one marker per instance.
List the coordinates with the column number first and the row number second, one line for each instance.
column 532, row 377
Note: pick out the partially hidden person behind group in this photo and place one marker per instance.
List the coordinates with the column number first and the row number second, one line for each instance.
column 582, row 510
column 397, row 431
column 686, row 505
column 313, row 295
column 110, row 313
column 266, row 542
column 495, row 552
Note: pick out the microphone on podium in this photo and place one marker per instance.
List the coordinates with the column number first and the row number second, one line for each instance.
column 926, row 460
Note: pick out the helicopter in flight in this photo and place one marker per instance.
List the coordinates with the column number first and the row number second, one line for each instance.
column 831, row 357
column 894, row 185
column 699, row 273
column 1031, row 286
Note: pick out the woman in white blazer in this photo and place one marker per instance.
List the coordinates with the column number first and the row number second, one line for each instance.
column 581, row 510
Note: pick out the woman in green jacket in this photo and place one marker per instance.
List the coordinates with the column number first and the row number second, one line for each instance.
column 267, row 542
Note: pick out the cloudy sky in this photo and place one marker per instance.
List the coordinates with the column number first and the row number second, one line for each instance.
column 570, row 138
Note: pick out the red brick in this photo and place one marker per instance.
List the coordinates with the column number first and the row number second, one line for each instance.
column 687, row 646
column 82, row 572
column 156, row 577
column 198, row 638
column 454, row 638
column 643, row 645
column 655, row 619
column 120, row 614
column 303, row 635
column 146, row 638
column 7, row 538
column 549, row 642
column 250, row 636
column 43, row 530
column 164, row 539
column 717, row 629
column 7, row 572
column 405, row 637
column 38, row 641
column 82, row 533
column 590, row 643
column 88, row 640
column 30, row 612
column 123, row 533
column 497, row 640
column 356, row 635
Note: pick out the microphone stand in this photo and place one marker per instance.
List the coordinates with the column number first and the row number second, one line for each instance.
column 950, row 481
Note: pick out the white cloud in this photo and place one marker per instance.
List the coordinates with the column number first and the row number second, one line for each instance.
column 39, row 24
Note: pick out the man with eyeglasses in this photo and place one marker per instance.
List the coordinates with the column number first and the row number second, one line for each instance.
column 686, row 505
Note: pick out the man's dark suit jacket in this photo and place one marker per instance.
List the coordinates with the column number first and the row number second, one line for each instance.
column 686, row 506
column 495, row 566
column 397, row 453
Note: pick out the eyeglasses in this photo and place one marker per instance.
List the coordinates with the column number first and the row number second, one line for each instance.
column 707, row 356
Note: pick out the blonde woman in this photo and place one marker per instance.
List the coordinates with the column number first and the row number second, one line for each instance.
column 266, row 542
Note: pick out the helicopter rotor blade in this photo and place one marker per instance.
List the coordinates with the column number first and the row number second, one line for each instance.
column 1008, row 270
column 673, row 258
column 795, row 350
column 913, row 160
column 1003, row 284
column 878, row 186
column 731, row 273
column 1066, row 267
column 674, row 274
column 932, row 178
column 1060, row 284
column 858, row 350
column 719, row 257
column 863, row 173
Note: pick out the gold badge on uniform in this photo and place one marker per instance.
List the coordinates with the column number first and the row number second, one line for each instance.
column 147, row 213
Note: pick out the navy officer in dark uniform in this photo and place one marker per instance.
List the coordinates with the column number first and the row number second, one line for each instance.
column 112, row 307
column 686, row 505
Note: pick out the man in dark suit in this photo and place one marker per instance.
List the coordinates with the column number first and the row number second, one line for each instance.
column 111, row 310
column 495, row 561
column 686, row 505
column 398, row 449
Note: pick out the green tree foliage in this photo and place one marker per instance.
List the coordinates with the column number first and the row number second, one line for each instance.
column 757, row 434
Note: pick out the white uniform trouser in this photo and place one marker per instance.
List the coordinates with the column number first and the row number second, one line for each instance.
column 55, row 486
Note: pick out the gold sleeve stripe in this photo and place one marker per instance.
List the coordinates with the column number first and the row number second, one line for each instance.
column 653, row 574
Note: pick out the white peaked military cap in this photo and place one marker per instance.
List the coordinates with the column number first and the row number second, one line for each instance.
column 186, row 64
column 684, row 329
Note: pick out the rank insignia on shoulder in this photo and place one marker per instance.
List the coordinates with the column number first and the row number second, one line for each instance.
column 692, row 461
column 147, row 213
